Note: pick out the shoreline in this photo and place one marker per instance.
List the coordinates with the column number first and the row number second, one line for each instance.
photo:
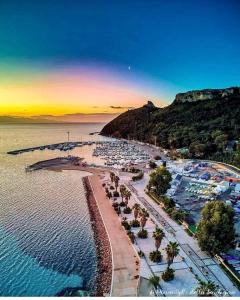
column 103, row 249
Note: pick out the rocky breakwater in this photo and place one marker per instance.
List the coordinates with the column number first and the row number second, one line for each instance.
column 104, row 257
column 207, row 94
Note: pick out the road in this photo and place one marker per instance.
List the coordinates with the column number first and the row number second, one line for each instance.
column 202, row 263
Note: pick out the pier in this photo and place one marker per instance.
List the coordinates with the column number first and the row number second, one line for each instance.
column 65, row 146
column 55, row 162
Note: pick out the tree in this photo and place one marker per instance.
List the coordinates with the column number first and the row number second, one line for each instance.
column 127, row 196
column 236, row 159
column 216, row 133
column 109, row 195
column 144, row 216
column 160, row 181
column 112, row 176
column 122, row 191
column 216, row 228
column 206, row 289
column 158, row 235
column 154, row 281
column 152, row 164
column 136, row 209
column 197, row 149
column 221, row 141
column 172, row 251
column 168, row 274
column 116, row 181
column 155, row 256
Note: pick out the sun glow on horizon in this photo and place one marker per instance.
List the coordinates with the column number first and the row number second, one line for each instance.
column 72, row 90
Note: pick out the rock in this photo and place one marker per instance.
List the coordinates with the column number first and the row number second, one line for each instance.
column 206, row 94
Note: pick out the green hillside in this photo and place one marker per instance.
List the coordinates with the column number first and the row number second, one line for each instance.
column 206, row 128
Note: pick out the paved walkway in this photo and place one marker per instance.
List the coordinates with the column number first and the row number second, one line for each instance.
column 125, row 267
column 203, row 265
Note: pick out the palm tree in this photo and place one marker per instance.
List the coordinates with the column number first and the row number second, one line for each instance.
column 116, row 181
column 172, row 251
column 144, row 215
column 112, row 176
column 122, row 191
column 136, row 208
column 206, row 289
column 127, row 195
column 154, row 281
column 158, row 235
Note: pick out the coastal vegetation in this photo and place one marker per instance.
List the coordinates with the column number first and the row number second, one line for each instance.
column 143, row 234
column 206, row 289
column 154, row 281
column 127, row 210
column 183, row 125
column 125, row 223
column 155, row 256
column 159, row 181
column 136, row 209
column 172, row 251
column 158, row 236
column 116, row 181
column 135, row 223
column 139, row 176
column 215, row 231
column 152, row 164
column 131, row 236
column 140, row 253
column 168, row 274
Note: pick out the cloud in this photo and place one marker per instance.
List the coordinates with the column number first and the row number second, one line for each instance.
column 120, row 107
column 23, row 120
column 103, row 117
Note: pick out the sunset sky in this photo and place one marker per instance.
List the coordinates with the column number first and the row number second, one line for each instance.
column 91, row 60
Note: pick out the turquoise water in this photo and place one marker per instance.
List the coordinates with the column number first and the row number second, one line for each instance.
column 46, row 239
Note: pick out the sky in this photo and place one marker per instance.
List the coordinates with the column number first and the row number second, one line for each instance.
column 91, row 60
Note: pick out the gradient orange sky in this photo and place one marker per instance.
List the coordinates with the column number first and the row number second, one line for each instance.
column 34, row 91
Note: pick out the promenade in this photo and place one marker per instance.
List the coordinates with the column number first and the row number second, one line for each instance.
column 125, row 259
column 206, row 267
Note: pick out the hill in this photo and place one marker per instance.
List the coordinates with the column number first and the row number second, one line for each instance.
column 204, row 127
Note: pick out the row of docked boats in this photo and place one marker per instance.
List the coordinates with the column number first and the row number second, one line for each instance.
column 65, row 146
column 120, row 153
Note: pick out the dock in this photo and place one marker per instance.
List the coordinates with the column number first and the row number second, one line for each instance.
column 64, row 146
column 55, row 162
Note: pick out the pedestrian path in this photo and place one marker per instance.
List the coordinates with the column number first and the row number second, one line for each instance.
column 204, row 266
column 125, row 259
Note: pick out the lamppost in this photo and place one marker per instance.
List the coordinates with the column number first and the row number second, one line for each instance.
column 68, row 133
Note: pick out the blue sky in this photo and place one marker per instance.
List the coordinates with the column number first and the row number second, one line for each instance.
column 187, row 44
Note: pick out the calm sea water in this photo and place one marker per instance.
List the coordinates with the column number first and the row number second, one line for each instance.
column 46, row 239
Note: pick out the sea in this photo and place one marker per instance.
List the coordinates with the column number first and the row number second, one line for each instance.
column 46, row 240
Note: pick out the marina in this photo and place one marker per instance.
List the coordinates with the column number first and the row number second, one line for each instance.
column 120, row 153
column 201, row 180
column 65, row 146
column 113, row 153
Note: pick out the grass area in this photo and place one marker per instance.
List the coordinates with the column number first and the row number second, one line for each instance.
column 189, row 232
column 193, row 228
column 229, row 274
column 153, row 198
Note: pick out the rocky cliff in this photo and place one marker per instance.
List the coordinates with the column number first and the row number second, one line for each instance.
column 207, row 94
column 186, row 121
